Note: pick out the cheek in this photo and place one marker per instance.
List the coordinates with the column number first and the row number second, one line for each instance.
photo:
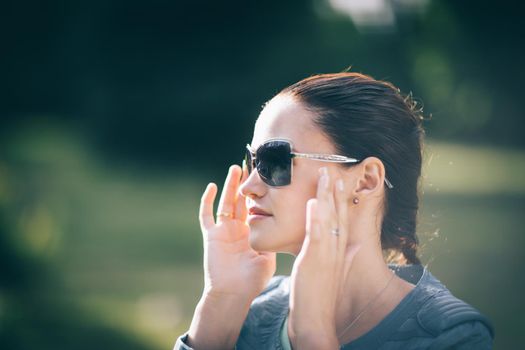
column 292, row 209
column 286, row 229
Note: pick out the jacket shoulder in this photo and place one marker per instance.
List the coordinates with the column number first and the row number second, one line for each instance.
column 443, row 311
column 272, row 299
column 267, row 312
column 274, row 283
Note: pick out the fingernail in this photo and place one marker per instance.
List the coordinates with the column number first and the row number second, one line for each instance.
column 340, row 185
column 324, row 181
column 327, row 181
column 323, row 171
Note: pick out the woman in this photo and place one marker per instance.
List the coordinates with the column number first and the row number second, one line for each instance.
column 331, row 176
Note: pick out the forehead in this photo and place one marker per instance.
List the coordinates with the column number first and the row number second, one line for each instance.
column 285, row 117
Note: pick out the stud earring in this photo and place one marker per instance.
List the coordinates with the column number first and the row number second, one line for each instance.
column 355, row 200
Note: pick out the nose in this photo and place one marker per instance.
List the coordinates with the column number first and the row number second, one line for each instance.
column 253, row 186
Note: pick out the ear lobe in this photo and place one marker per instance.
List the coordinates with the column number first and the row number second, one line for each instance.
column 371, row 177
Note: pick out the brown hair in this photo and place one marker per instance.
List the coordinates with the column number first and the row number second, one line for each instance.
column 366, row 117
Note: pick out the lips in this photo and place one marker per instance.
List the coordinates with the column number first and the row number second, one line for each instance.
column 258, row 211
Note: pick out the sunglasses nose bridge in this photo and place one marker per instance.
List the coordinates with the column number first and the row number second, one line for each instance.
column 254, row 186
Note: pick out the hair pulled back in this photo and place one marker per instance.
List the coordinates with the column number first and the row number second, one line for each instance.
column 365, row 117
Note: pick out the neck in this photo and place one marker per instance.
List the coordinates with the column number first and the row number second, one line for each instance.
column 369, row 287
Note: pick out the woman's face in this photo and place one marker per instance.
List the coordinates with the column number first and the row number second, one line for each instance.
column 283, row 230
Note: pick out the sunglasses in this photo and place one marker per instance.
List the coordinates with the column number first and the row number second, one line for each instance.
column 274, row 159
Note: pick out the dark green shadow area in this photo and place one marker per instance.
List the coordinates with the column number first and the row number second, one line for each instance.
column 101, row 256
column 35, row 322
column 479, row 256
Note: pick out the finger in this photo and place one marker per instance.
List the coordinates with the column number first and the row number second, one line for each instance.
column 322, row 197
column 228, row 195
column 325, row 207
column 206, row 207
column 333, row 224
column 323, row 184
column 341, row 205
column 312, row 225
column 241, row 212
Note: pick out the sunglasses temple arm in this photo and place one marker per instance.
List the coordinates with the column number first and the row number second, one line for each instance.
column 333, row 159
column 325, row 157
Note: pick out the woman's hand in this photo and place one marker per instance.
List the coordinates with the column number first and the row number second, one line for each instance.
column 234, row 273
column 231, row 266
column 320, row 269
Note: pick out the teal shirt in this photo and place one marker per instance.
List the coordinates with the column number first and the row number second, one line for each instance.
column 285, row 340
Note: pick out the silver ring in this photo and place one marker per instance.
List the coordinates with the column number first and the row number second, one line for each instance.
column 335, row 231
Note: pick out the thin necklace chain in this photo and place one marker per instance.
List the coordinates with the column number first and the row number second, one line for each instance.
column 366, row 307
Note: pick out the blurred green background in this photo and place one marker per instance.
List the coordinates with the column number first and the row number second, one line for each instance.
column 114, row 115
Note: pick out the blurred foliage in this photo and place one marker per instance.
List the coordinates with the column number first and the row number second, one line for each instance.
column 115, row 114
column 98, row 251
column 154, row 81
column 36, row 310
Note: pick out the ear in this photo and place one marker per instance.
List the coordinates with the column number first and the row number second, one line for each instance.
column 371, row 176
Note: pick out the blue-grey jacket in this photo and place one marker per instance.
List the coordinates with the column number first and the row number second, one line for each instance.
column 429, row 317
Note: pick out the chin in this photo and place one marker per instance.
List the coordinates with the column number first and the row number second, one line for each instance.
column 260, row 244
column 264, row 241
column 272, row 242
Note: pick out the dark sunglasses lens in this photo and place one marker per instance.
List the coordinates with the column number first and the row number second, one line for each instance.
column 274, row 163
